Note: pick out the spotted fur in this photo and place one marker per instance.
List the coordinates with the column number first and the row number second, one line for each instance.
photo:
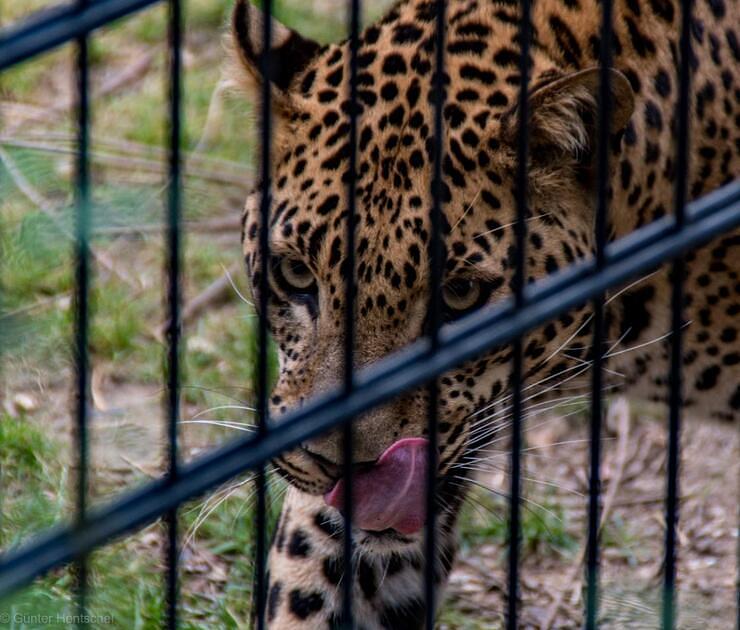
column 395, row 147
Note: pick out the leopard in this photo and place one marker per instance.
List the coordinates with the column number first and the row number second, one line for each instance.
column 310, row 111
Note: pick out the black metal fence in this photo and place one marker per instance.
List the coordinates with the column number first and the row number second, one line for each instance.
column 664, row 240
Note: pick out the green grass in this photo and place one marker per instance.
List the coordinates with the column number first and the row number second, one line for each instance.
column 35, row 264
column 618, row 535
column 32, row 483
column 11, row 11
column 36, row 267
column 453, row 618
column 126, row 576
column 484, row 518
column 117, row 323
column 209, row 13
column 150, row 26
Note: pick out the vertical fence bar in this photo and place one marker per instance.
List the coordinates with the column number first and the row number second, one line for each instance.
column 600, row 238
column 174, row 203
column 82, row 311
column 349, row 322
column 436, row 263
column 675, row 398
column 264, row 300
column 520, row 230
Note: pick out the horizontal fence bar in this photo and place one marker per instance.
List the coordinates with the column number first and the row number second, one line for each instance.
column 49, row 28
column 631, row 256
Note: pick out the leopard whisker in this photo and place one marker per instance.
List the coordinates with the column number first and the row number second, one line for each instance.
column 580, row 369
column 220, row 497
column 584, row 362
column 506, row 225
column 538, row 425
column 484, row 431
column 218, row 407
column 213, row 391
column 523, row 498
column 272, row 481
column 499, row 453
column 236, row 289
column 504, row 410
column 507, row 422
column 646, row 343
column 484, row 423
column 590, row 317
column 468, row 209
column 484, row 509
column 479, row 505
column 493, row 468
column 237, row 426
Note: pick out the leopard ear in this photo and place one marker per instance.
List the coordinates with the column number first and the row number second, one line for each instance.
column 564, row 117
column 290, row 54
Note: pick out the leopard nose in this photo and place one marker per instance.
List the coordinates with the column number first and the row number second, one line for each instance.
column 373, row 432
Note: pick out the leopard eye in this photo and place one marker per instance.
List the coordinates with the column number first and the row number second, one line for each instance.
column 462, row 294
column 296, row 276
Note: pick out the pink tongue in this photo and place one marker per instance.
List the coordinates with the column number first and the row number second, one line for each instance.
column 391, row 494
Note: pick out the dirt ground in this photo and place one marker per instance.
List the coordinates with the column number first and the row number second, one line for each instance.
column 634, row 459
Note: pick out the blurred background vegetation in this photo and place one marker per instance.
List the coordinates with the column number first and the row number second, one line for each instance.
column 37, row 143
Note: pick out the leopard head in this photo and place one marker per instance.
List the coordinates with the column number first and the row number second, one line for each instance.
column 309, row 84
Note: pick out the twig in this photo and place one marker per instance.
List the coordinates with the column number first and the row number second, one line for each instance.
column 22, row 109
column 33, row 195
column 213, row 118
column 128, row 162
column 139, row 467
column 218, row 291
column 215, row 226
column 656, row 498
column 131, row 146
column 42, row 303
column 129, row 74
column 619, row 411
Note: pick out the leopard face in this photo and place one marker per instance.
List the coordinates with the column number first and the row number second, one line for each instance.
column 395, row 148
column 307, row 271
